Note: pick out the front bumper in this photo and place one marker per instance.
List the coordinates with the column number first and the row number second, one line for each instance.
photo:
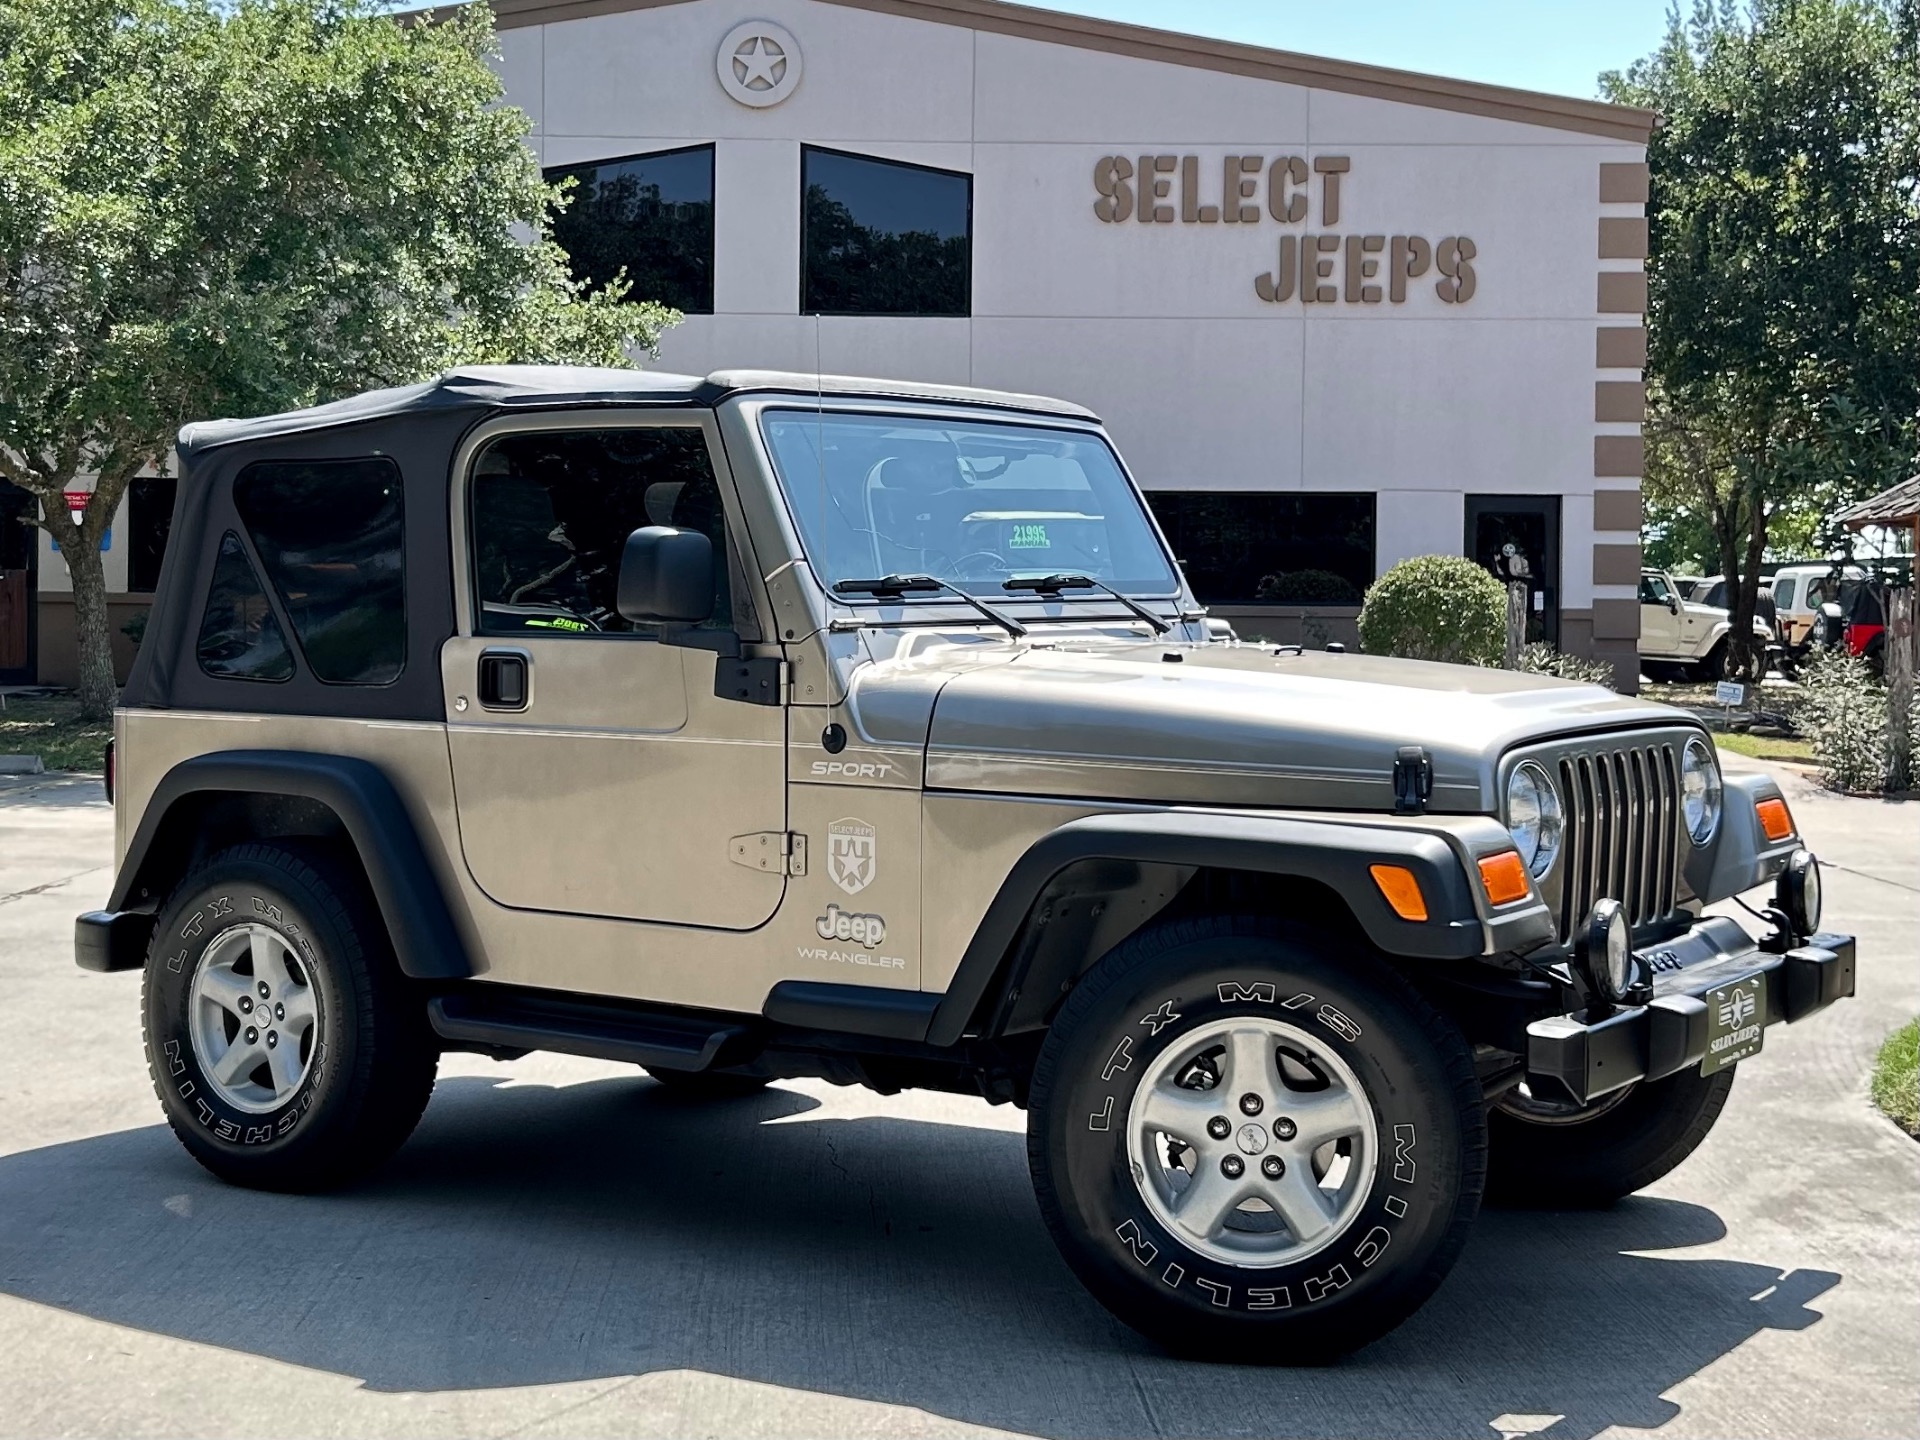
column 1588, row 1058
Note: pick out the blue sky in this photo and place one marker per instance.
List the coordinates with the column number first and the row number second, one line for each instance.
column 1559, row 46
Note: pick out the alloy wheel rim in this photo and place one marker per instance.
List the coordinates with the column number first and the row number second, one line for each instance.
column 253, row 1018
column 1253, row 1142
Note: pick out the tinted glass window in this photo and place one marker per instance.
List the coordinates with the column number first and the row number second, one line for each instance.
column 551, row 516
column 330, row 535
column 649, row 214
column 1653, row 590
column 1783, row 592
column 974, row 505
column 1252, row 549
column 880, row 238
column 239, row 638
column 150, row 518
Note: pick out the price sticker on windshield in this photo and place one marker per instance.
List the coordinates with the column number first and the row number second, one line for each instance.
column 1028, row 537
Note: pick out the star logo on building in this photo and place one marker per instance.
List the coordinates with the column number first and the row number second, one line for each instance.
column 759, row 63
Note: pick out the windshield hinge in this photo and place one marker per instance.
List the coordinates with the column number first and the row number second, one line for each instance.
column 1412, row 780
column 772, row 852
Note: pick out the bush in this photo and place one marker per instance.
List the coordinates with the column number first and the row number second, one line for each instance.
column 1844, row 714
column 1306, row 587
column 1541, row 658
column 1436, row 607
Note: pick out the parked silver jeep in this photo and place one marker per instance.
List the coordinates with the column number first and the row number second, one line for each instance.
column 766, row 726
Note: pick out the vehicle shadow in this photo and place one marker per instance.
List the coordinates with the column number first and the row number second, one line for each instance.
column 530, row 1235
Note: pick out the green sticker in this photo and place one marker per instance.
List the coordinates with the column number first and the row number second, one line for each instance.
column 1028, row 537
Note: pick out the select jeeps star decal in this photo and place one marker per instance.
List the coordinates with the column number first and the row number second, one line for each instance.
column 852, row 855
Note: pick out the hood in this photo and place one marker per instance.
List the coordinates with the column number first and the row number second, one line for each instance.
column 1218, row 724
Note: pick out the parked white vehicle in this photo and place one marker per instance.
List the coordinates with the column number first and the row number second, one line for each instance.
column 1682, row 633
column 1798, row 593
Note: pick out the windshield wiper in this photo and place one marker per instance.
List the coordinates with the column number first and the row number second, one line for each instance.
column 897, row 585
column 1054, row 584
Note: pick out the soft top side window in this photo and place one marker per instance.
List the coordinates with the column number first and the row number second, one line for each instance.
column 331, row 536
column 551, row 512
column 239, row 638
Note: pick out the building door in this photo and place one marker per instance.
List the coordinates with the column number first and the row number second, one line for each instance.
column 1531, row 524
column 18, row 563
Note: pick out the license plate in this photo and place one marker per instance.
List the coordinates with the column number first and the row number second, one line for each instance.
column 1736, row 1022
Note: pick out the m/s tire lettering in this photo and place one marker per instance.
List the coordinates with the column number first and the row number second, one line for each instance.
column 1232, row 992
column 1339, row 1023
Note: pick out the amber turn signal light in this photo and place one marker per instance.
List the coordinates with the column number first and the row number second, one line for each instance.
column 1774, row 818
column 1401, row 889
column 1505, row 877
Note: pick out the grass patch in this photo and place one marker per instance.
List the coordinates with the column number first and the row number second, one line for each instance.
column 1766, row 747
column 1896, row 1078
column 53, row 730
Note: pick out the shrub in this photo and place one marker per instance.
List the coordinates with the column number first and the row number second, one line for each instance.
column 1306, row 587
column 1844, row 714
column 1436, row 607
column 1541, row 658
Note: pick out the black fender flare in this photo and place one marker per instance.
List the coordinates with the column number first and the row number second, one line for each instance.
column 1335, row 852
column 404, row 885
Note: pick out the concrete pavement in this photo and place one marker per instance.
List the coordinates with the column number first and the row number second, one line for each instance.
column 563, row 1249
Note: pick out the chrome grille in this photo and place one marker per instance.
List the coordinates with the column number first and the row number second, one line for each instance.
column 1623, row 831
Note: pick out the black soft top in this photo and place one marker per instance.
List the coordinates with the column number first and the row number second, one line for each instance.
column 506, row 387
column 418, row 429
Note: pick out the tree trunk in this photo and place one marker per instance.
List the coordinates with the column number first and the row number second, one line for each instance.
column 97, row 688
column 1516, row 622
column 1900, row 643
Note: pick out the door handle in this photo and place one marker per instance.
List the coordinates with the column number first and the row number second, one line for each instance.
column 505, row 679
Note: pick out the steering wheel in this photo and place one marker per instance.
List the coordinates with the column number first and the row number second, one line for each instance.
column 997, row 565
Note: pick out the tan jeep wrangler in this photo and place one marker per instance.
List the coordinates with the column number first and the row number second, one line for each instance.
column 760, row 726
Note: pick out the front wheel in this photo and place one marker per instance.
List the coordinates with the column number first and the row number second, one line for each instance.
column 1251, row 1144
column 1565, row 1156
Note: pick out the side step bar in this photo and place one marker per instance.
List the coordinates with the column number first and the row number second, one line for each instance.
column 523, row 1020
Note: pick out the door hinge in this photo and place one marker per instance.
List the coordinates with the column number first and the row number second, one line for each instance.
column 757, row 682
column 772, row 852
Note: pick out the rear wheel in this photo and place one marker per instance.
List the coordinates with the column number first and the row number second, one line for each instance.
column 1253, row 1145
column 286, row 1047
column 1565, row 1156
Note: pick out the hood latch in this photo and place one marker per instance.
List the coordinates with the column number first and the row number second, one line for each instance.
column 1412, row 780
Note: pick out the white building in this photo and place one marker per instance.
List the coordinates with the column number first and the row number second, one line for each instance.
column 1335, row 315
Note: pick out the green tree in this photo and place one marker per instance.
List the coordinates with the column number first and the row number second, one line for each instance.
column 234, row 207
column 1784, row 278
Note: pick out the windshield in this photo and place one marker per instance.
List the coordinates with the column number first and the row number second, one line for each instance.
column 973, row 504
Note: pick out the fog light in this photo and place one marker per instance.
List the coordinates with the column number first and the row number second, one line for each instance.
column 1605, row 953
column 1796, row 894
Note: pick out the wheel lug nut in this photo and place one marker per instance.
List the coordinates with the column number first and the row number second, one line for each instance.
column 279, row 1012
column 246, row 1005
column 1273, row 1167
column 1284, row 1129
column 253, row 1035
column 264, row 991
column 1250, row 1104
column 1218, row 1127
column 272, row 1039
column 1233, row 1167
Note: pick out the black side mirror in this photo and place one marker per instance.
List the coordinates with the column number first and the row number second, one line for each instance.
column 666, row 576
column 1673, row 605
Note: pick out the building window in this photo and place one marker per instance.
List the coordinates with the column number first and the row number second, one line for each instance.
column 649, row 214
column 1266, row 549
column 239, row 638
column 330, row 536
column 150, row 518
column 552, row 511
column 882, row 238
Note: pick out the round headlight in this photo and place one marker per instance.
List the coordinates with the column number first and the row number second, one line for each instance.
column 1699, row 791
column 1534, row 817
